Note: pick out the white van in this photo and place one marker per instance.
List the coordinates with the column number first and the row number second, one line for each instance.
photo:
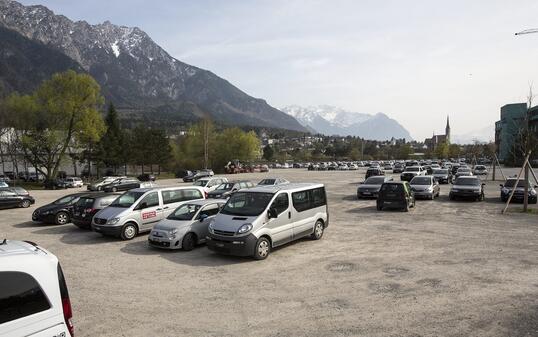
column 210, row 183
column 34, row 300
column 137, row 210
column 256, row 220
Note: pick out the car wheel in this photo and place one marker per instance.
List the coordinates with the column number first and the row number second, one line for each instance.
column 189, row 241
column 114, row 189
column 25, row 203
column 61, row 218
column 379, row 207
column 99, row 188
column 129, row 231
column 262, row 249
column 318, row 230
column 450, row 196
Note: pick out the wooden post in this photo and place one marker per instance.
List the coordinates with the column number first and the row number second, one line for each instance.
column 526, row 189
column 515, row 185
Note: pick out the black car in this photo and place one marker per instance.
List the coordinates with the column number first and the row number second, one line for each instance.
column 58, row 212
column 10, row 199
column 469, row 187
column 146, row 177
column 16, row 189
column 182, row 173
column 121, row 184
column 55, row 184
column 89, row 204
column 508, row 187
column 398, row 168
column 395, row 194
column 443, row 176
column 225, row 190
column 374, row 171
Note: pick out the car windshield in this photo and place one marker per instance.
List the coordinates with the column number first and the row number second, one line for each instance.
column 201, row 183
column 375, row 181
column 184, row 212
column 225, row 187
column 247, row 204
column 480, row 167
column 467, row 182
column 413, row 169
column 440, row 171
column 512, row 182
column 464, row 170
column 421, row 181
column 65, row 200
column 127, row 199
column 267, row 182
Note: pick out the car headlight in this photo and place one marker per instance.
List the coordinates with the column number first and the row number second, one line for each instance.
column 430, row 189
column 455, row 190
column 172, row 233
column 533, row 192
column 245, row 228
column 505, row 191
column 211, row 227
column 113, row 221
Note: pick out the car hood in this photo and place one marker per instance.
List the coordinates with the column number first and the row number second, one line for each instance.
column 51, row 207
column 420, row 187
column 231, row 223
column 369, row 186
column 466, row 187
column 166, row 224
column 409, row 172
column 112, row 212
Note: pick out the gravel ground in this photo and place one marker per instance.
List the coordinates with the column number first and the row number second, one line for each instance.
column 444, row 269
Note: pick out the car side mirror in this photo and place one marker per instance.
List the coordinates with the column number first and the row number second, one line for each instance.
column 272, row 213
column 483, row 184
column 203, row 216
column 501, row 185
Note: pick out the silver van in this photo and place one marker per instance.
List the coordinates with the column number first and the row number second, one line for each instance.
column 256, row 220
column 137, row 210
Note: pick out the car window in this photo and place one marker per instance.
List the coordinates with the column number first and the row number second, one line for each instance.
column 301, row 200
column 172, row 196
column 105, row 201
column 191, row 194
column 318, row 197
column 151, row 200
column 210, row 210
column 281, row 203
column 7, row 194
column 20, row 296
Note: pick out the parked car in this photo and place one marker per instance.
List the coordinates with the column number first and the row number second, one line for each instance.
column 443, row 176
column 58, row 212
column 225, row 190
column 16, row 189
column 182, row 173
column 264, row 168
column 121, row 184
column 463, row 171
column 10, row 199
column 259, row 219
column 398, row 168
column 395, row 194
column 373, row 171
column 425, row 187
column 209, row 183
column 55, row 184
column 34, row 300
column 203, row 174
column 98, row 185
column 146, row 177
column 467, row 187
column 137, row 210
column 186, row 226
column 5, row 178
column 3, row 184
column 73, row 182
column 370, row 187
column 480, row 170
column 412, row 171
column 273, row 182
column 508, row 187
column 88, row 205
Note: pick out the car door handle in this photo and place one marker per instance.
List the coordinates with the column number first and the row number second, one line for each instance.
column 289, row 215
column 159, row 209
column 165, row 207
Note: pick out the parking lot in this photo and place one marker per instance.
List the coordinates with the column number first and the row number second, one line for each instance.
column 446, row 268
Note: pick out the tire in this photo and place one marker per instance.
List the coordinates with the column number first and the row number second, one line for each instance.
column 262, row 248
column 114, row 189
column 25, row 203
column 99, row 188
column 61, row 218
column 451, row 197
column 379, row 207
column 189, row 242
column 129, row 231
column 407, row 206
column 319, row 228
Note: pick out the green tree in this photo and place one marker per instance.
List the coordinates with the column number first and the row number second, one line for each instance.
column 441, row 151
column 268, row 152
column 111, row 148
column 63, row 112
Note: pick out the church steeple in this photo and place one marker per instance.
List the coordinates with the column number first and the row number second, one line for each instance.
column 447, row 129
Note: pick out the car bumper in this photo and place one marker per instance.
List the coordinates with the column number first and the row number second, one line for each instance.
column 423, row 194
column 82, row 222
column 465, row 194
column 364, row 194
column 238, row 246
column 519, row 198
column 164, row 243
column 393, row 204
column 107, row 230
column 45, row 218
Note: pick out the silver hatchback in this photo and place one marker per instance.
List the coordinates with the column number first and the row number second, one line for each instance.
column 186, row 226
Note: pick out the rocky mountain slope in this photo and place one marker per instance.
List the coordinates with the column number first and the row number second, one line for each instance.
column 330, row 120
column 135, row 73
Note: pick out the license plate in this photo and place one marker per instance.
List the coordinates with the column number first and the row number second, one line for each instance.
column 219, row 244
column 155, row 239
column 366, row 193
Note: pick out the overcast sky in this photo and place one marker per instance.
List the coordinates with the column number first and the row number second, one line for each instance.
column 416, row 61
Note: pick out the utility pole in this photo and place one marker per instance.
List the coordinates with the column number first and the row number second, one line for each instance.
column 526, row 191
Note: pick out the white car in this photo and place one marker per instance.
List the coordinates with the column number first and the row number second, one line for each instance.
column 34, row 300
column 73, row 182
column 210, row 183
column 480, row 170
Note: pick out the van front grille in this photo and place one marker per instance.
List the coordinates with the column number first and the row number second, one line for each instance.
column 99, row 221
column 223, row 233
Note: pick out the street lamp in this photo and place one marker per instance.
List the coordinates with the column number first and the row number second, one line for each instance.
column 527, row 31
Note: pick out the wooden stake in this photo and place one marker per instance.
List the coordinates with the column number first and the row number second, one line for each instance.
column 515, row 185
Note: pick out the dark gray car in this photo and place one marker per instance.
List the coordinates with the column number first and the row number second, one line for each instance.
column 425, row 187
column 370, row 187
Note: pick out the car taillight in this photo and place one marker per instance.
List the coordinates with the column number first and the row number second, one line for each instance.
column 68, row 315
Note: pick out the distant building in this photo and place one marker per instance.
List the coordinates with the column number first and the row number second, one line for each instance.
column 431, row 143
column 508, row 126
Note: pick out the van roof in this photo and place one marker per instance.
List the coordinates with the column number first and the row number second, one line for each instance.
column 283, row 187
column 10, row 248
column 160, row 188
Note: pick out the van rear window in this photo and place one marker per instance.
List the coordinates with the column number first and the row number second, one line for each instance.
column 308, row 199
column 20, row 296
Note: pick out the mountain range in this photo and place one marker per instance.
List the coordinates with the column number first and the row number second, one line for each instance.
column 330, row 120
column 143, row 81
